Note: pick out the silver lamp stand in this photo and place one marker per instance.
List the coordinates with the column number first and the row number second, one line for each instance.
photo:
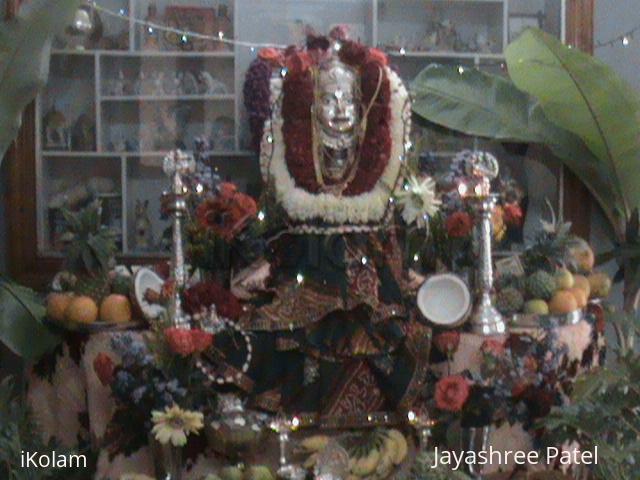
column 176, row 165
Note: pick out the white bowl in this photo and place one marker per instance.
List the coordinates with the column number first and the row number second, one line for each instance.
column 445, row 300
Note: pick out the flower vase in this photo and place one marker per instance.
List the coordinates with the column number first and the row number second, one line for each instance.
column 167, row 460
column 475, row 439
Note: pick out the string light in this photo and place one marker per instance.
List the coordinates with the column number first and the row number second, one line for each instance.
column 623, row 39
column 183, row 34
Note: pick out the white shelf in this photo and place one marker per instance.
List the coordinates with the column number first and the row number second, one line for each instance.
column 76, row 154
column 453, row 55
column 144, row 53
column 168, row 98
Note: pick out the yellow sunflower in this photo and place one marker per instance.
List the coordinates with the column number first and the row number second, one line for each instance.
column 174, row 424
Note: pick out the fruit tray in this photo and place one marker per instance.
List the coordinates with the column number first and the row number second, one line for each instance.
column 524, row 320
column 97, row 327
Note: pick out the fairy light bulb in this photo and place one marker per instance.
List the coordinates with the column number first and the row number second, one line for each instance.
column 261, row 216
column 299, row 278
column 403, row 52
column 625, row 41
column 220, row 34
column 460, row 69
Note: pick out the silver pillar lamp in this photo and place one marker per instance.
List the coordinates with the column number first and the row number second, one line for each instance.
column 481, row 168
column 176, row 166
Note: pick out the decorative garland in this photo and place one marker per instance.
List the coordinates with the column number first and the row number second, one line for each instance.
column 286, row 149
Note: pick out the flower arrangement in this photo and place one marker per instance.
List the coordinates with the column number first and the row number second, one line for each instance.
column 222, row 223
column 517, row 379
column 155, row 374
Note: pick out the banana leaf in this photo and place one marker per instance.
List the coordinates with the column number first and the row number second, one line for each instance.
column 485, row 105
column 580, row 94
column 25, row 48
column 475, row 103
column 21, row 327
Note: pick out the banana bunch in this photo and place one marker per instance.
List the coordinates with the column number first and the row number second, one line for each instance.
column 372, row 456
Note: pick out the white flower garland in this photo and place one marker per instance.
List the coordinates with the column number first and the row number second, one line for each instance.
column 371, row 206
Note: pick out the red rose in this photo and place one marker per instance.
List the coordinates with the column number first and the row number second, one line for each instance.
column 201, row 340
column 104, row 367
column 180, row 341
column 187, row 342
column 227, row 212
column 353, row 53
column 378, row 56
column 513, row 214
column 493, row 347
column 452, row 393
column 447, row 342
column 272, row 55
column 204, row 294
column 459, row 224
column 298, row 63
column 519, row 389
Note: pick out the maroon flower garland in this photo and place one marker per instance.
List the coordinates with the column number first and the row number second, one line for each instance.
column 298, row 98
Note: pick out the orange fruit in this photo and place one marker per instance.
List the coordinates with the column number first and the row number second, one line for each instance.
column 563, row 302
column 57, row 304
column 582, row 282
column 115, row 309
column 580, row 296
column 81, row 310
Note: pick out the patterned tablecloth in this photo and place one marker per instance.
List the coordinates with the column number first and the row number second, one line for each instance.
column 71, row 404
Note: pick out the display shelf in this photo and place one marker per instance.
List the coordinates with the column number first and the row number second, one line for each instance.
column 446, row 55
column 84, row 85
column 167, row 98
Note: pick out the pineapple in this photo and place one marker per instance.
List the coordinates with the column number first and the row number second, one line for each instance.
column 90, row 251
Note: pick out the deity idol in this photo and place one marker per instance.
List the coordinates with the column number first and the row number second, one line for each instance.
column 333, row 334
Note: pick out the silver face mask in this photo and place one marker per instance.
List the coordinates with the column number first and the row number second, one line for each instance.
column 337, row 113
column 337, row 105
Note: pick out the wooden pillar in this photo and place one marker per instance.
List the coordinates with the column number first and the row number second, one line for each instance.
column 577, row 200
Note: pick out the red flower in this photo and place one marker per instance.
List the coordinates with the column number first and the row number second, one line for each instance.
column 353, row 53
column 180, row 341
column 451, row 393
column 298, row 62
column 447, row 342
column 513, row 214
column 459, row 224
column 201, row 340
column 227, row 212
column 272, row 55
column 378, row 56
column 204, row 294
column 186, row 342
column 493, row 347
column 104, row 367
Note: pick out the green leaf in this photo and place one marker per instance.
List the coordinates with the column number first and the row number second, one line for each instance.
column 24, row 59
column 475, row 103
column 581, row 94
column 486, row 105
column 21, row 327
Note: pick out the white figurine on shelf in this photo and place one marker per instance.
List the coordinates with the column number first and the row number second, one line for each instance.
column 118, row 84
column 189, row 84
column 177, row 84
column 158, row 84
column 209, row 85
column 138, row 85
column 143, row 231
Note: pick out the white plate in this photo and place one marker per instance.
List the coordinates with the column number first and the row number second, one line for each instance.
column 444, row 299
column 145, row 279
